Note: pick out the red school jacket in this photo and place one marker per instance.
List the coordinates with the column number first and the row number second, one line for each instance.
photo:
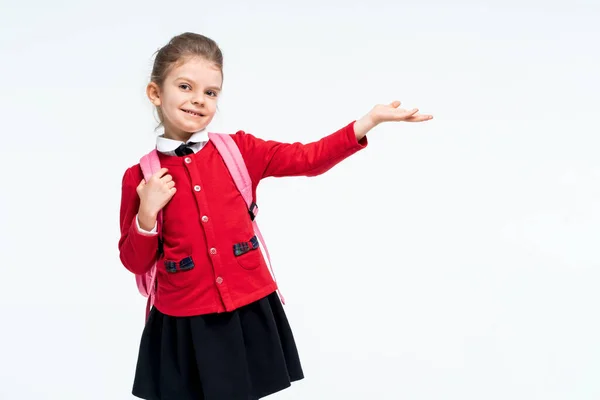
column 198, row 271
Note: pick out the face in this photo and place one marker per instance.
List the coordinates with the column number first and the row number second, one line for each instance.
column 188, row 97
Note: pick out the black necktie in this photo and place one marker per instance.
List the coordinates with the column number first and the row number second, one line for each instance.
column 184, row 149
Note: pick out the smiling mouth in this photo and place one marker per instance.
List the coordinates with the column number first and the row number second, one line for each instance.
column 193, row 113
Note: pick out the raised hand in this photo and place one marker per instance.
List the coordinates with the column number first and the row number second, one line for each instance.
column 391, row 112
column 387, row 113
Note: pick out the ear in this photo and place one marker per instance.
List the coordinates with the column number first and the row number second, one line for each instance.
column 153, row 93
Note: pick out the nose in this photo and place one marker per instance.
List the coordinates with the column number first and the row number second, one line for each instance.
column 198, row 99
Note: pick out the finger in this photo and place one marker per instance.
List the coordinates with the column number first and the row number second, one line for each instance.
column 167, row 178
column 423, row 117
column 408, row 114
column 420, row 118
column 171, row 184
column 141, row 184
column 395, row 104
column 172, row 191
column 161, row 172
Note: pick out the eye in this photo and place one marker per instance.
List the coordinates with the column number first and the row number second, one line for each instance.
column 185, row 86
column 212, row 93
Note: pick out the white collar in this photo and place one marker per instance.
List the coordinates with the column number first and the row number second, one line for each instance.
column 166, row 145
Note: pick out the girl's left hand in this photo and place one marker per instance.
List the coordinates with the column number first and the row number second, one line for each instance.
column 387, row 113
column 390, row 112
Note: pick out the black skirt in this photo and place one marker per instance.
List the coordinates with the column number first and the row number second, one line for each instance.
column 246, row 354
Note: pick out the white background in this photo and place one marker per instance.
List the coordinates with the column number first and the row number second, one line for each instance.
column 454, row 259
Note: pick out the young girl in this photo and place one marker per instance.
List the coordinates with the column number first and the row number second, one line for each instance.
column 217, row 329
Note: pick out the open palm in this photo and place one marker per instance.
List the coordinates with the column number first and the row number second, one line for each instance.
column 392, row 112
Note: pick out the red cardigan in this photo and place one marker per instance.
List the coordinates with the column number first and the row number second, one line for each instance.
column 207, row 216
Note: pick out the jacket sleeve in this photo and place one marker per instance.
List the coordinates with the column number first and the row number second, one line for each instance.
column 137, row 249
column 265, row 158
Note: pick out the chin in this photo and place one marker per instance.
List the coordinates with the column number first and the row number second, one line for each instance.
column 191, row 128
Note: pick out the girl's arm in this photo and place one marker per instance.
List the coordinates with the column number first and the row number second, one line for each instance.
column 266, row 158
column 137, row 250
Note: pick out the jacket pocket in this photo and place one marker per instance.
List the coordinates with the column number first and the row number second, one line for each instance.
column 248, row 254
column 178, row 273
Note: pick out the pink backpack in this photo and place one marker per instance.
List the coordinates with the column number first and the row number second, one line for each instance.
column 228, row 149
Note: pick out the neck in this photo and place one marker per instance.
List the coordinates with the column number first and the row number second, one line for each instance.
column 177, row 135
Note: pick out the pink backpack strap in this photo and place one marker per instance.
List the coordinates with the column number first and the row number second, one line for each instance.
column 146, row 283
column 239, row 172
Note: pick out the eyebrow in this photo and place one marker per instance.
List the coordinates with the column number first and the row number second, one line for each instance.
column 183, row 78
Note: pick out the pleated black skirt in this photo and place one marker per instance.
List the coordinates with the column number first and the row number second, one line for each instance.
column 246, row 354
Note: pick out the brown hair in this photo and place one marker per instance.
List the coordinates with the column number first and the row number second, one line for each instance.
column 178, row 50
